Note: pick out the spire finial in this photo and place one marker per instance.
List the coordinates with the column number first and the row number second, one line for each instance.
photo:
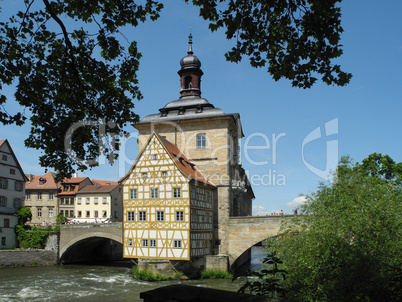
column 190, row 43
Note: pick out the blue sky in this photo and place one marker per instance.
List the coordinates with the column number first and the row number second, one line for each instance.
column 356, row 120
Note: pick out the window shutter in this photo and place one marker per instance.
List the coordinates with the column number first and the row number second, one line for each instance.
column 6, row 184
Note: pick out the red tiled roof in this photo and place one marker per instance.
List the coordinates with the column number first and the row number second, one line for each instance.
column 104, row 182
column 182, row 162
column 47, row 179
column 98, row 189
column 73, row 180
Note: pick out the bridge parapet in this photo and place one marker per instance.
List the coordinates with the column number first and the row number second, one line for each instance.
column 246, row 231
column 70, row 234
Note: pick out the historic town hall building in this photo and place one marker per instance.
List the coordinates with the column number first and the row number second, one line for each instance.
column 187, row 180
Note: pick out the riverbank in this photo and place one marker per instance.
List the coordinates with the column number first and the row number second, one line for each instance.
column 13, row 258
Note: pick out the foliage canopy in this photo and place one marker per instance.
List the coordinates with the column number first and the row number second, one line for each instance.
column 347, row 245
column 78, row 80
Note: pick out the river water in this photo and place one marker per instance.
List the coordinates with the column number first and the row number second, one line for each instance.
column 91, row 283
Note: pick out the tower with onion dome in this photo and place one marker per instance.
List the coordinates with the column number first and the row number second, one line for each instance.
column 207, row 139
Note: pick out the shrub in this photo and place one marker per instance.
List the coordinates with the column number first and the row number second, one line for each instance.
column 148, row 276
column 215, row 274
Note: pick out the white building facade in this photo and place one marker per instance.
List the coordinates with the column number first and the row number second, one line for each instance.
column 12, row 194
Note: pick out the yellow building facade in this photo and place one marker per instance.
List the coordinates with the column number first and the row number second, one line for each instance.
column 167, row 205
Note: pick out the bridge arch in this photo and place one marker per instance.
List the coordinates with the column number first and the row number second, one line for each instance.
column 79, row 243
column 245, row 232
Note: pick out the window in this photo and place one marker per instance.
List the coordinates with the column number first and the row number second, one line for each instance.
column 79, row 200
column 130, row 242
column 50, row 212
column 42, row 181
column 104, row 214
column 177, row 244
column 3, row 240
column 201, row 141
column 19, row 186
column 95, row 213
column 72, row 200
column 188, row 82
column 130, row 216
column 154, row 156
column 6, row 222
column 72, row 187
column 144, row 175
column 160, row 216
column 87, row 213
column 133, row 194
column 104, row 200
column 39, row 212
column 142, row 216
column 3, row 183
column 79, row 213
column 61, row 212
column 154, row 193
column 145, row 243
column 4, row 157
column 164, row 173
column 176, row 192
column 179, row 216
column 17, row 203
column 152, row 243
column 51, row 196
column 12, row 171
column 65, row 188
column 71, row 213
column 3, row 201
column 39, row 196
column 96, row 200
column 87, row 200
column 28, row 196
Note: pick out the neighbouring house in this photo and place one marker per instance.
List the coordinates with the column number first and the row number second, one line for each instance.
column 99, row 203
column 41, row 196
column 12, row 192
column 68, row 190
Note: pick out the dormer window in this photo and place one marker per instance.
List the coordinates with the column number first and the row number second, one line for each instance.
column 42, row 181
column 198, row 109
column 181, row 111
column 164, row 113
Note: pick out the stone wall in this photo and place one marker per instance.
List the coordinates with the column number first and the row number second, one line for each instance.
column 28, row 258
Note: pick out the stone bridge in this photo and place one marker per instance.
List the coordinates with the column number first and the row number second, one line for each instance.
column 88, row 242
column 91, row 242
column 244, row 232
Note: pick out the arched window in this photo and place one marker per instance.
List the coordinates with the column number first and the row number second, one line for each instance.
column 188, row 82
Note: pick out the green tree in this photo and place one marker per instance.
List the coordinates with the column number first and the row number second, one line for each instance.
column 347, row 245
column 23, row 214
column 71, row 69
column 61, row 219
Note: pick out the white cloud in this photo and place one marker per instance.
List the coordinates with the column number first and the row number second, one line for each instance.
column 262, row 211
column 298, row 201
